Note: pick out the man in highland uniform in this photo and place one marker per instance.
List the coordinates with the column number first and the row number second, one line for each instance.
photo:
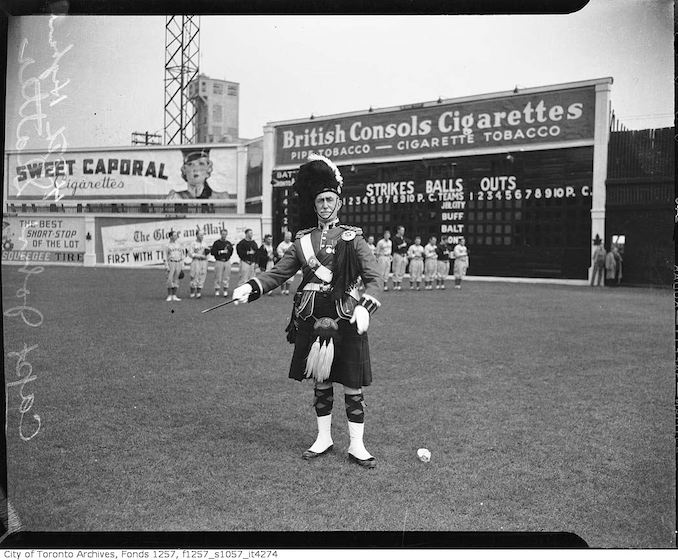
column 330, row 316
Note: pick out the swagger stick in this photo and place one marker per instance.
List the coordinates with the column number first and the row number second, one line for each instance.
column 217, row 306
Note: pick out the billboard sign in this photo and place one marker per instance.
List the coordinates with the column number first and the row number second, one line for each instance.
column 144, row 243
column 43, row 239
column 508, row 121
column 187, row 172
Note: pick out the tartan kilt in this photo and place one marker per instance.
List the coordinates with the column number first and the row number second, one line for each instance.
column 351, row 366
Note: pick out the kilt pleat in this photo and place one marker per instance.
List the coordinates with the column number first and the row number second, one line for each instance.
column 351, row 366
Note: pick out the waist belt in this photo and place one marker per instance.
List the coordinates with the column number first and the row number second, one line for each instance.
column 176, row 260
column 325, row 288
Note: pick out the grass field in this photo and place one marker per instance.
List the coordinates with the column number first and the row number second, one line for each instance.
column 546, row 408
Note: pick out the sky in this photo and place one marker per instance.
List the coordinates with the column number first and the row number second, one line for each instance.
column 103, row 76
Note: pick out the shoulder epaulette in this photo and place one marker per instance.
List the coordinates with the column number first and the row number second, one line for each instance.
column 303, row 232
column 358, row 230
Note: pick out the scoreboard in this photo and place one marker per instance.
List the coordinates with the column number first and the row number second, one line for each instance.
column 523, row 214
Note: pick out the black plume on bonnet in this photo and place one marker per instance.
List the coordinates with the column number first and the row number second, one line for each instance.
column 316, row 176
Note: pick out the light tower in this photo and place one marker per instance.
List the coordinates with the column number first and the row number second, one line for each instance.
column 182, row 47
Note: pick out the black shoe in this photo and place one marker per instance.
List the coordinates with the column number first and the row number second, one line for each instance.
column 367, row 463
column 308, row 454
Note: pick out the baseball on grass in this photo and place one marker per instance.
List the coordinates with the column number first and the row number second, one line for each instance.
column 424, row 455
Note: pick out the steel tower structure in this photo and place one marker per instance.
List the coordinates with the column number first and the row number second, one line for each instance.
column 182, row 48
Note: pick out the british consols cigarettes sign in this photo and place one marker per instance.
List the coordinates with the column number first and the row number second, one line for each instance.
column 547, row 117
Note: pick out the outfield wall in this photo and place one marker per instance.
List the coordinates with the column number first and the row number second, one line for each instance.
column 519, row 174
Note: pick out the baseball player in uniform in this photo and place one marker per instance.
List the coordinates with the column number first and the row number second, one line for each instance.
column 460, row 262
column 174, row 261
column 280, row 250
column 383, row 253
column 330, row 316
column 198, row 251
column 222, row 250
column 371, row 245
column 266, row 255
column 247, row 253
column 431, row 263
column 415, row 254
column 400, row 245
column 444, row 248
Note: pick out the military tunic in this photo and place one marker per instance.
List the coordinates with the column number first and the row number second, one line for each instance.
column 313, row 300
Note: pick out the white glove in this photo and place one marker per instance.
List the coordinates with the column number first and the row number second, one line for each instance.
column 242, row 293
column 361, row 318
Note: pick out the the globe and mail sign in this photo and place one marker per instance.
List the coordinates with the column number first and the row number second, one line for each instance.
column 520, row 175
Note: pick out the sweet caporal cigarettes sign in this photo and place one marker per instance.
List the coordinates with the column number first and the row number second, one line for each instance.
column 119, row 174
